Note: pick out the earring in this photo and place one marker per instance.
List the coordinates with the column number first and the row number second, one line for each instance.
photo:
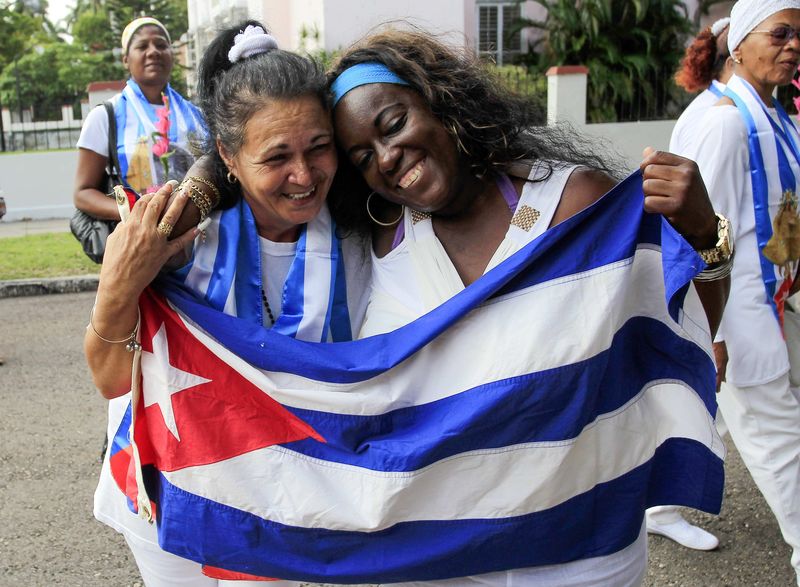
column 378, row 222
column 737, row 60
column 231, row 178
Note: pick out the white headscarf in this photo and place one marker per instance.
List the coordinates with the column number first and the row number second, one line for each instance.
column 748, row 14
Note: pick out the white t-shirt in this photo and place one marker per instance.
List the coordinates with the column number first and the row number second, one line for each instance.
column 756, row 349
column 94, row 132
column 685, row 130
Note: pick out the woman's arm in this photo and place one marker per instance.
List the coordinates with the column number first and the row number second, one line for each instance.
column 89, row 179
column 672, row 187
column 135, row 252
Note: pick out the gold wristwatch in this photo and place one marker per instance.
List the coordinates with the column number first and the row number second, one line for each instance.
column 723, row 250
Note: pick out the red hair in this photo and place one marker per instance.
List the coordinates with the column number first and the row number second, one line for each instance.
column 703, row 61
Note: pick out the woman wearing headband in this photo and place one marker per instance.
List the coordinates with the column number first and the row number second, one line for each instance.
column 706, row 67
column 459, row 178
column 267, row 255
column 749, row 154
column 152, row 121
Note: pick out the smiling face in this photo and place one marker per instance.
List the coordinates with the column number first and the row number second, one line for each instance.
column 285, row 165
column 149, row 57
column 403, row 151
column 766, row 62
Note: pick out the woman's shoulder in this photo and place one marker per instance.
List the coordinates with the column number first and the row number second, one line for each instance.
column 583, row 188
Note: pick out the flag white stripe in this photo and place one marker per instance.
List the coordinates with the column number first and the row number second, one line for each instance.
column 287, row 487
column 601, row 307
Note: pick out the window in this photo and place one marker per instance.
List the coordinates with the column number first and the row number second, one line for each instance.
column 495, row 19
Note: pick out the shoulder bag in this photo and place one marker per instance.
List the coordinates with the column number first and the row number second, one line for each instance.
column 92, row 232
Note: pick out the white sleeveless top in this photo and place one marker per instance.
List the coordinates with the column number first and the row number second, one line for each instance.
column 418, row 275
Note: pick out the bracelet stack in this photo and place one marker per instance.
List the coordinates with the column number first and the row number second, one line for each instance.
column 204, row 202
column 716, row 272
column 130, row 342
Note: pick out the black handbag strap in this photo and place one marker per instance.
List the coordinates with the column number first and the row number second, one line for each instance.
column 113, row 156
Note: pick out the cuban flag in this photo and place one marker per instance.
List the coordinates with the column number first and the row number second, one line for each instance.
column 530, row 420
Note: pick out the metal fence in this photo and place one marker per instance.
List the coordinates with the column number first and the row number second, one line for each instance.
column 36, row 139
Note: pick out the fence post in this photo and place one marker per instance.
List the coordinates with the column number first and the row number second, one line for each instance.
column 566, row 94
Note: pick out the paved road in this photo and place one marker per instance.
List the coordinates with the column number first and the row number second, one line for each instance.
column 51, row 427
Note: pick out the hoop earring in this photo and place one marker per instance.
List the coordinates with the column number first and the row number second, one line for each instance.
column 378, row 222
column 231, row 178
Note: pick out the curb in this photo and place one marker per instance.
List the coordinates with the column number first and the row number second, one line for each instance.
column 53, row 285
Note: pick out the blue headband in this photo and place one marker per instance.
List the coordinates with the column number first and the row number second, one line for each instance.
column 362, row 74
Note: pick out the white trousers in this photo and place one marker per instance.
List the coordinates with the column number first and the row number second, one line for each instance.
column 160, row 568
column 764, row 422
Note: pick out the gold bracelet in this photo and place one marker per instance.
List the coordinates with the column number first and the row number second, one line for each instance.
column 131, row 344
column 211, row 186
column 200, row 199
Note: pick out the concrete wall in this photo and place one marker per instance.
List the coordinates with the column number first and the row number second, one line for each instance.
column 38, row 185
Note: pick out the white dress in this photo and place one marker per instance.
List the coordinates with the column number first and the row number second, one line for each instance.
column 417, row 276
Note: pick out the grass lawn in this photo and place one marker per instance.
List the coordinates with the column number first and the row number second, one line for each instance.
column 43, row 255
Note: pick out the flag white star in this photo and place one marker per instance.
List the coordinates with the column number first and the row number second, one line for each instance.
column 161, row 380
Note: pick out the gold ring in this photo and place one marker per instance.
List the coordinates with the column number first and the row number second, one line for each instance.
column 164, row 228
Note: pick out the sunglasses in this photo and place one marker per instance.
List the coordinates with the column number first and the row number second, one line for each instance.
column 780, row 35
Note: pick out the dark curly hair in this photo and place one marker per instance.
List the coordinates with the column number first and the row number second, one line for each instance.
column 703, row 61
column 231, row 93
column 492, row 127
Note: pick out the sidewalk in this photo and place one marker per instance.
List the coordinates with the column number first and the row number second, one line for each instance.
column 34, row 287
column 26, row 227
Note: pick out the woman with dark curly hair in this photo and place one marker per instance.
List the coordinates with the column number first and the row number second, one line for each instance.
column 706, row 68
column 456, row 177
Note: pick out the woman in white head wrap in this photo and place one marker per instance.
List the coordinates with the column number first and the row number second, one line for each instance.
column 748, row 151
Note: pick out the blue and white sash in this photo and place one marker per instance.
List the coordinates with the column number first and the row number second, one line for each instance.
column 770, row 144
column 717, row 88
column 225, row 271
column 136, row 119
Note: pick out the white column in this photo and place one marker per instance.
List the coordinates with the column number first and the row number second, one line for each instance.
column 566, row 94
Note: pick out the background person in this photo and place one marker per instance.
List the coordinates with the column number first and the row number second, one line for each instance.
column 430, row 132
column 747, row 151
column 706, row 67
column 148, row 105
column 271, row 143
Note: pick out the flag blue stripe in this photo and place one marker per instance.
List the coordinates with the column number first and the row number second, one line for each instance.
column 576, row 245
column 557, row 403
column 594, row 523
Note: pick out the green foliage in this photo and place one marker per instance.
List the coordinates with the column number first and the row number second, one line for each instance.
column 173, row 13
column 54, row 75
column 91, row 30
column 522, row 81
column 39, row 69
column 43, row 255
column 631, row 48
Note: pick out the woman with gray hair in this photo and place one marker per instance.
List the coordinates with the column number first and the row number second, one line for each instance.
column 273, row 157
column 749, row 155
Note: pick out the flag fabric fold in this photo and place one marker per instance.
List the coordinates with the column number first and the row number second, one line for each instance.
column 528, row 421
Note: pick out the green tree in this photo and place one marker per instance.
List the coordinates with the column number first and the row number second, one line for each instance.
column 173, row 13
column 91, row 30
column 631, row 47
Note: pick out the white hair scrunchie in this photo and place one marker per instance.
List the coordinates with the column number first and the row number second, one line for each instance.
column 746, row 15
column 252, row 41
column 719, row 26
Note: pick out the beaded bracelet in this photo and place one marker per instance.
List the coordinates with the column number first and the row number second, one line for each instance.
column 130, row 342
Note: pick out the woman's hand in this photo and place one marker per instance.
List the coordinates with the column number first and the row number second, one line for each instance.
column 674, row 188
column 137, row 250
